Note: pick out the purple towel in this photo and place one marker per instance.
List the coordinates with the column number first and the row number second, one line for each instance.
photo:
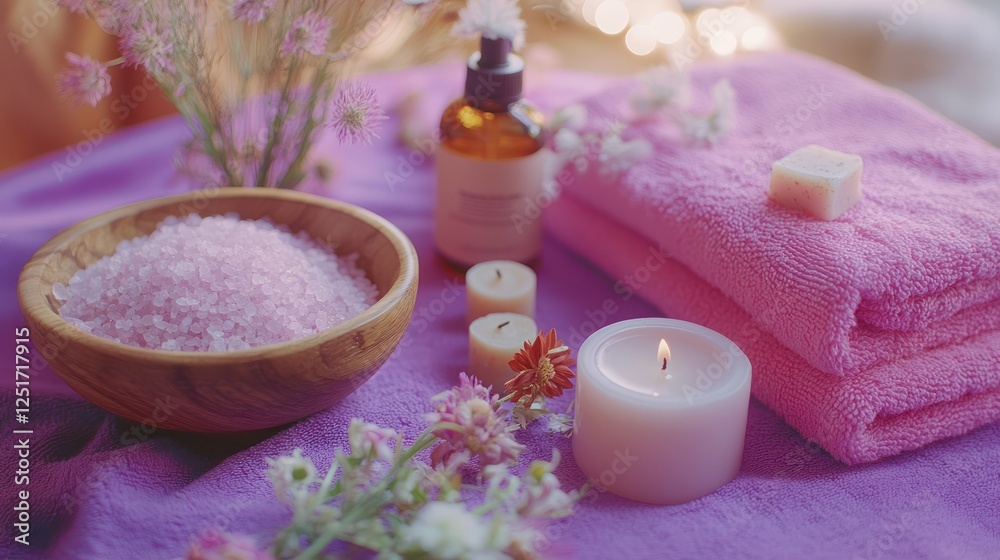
column 104, row 489
column 914, row 265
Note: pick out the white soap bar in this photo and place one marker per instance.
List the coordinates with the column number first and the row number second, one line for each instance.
column 823, row 183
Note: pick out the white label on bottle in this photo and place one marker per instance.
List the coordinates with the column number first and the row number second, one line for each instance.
column 484, row 207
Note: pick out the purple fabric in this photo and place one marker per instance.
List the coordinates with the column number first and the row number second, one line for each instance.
column 915, row 265
column 894, row 407
column 101, row 492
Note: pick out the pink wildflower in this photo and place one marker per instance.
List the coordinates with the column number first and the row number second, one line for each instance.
column 147, row 46
column 75, row 6
column 216, row 545
column 309, row 33
column 85, row 81
column 466, row 419
column 370, row 440
column 251, row 11
column 357, row 113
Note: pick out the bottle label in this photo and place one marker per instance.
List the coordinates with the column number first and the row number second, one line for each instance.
column 483, row 207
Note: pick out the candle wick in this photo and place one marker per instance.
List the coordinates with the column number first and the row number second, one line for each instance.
column 502, row 325
column 499, row 276
column 664, row 364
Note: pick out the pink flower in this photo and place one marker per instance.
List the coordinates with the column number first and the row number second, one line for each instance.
column 75, row 6
column 466, row 419
column 251, row 11
column 309, row 34
column 85, row 81
column 147, row 46
column 216, row 545
column 370, row 440
column 357, row 113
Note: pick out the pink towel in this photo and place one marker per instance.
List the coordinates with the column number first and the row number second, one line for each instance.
column 914, row 265
column 900, row 405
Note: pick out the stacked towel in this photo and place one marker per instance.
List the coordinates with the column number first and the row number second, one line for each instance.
column 873, row 334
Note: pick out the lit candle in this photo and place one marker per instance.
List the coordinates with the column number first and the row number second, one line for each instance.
column 661, row 410
column 500, row 287
column 493, row 341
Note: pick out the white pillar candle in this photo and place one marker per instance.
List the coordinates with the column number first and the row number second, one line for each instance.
column 493, row 341
column 500, row 287
column 661, row 410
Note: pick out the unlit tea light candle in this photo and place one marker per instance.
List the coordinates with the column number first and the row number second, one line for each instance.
column 661, row 410
column 493, row 341
column 500, row 287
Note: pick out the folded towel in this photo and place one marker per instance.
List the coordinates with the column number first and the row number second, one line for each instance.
column 914, row 265
column 894, row 407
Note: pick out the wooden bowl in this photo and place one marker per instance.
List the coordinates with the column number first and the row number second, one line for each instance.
column 224, row 391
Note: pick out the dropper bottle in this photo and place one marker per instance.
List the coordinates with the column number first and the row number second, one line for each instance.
column 490, row 166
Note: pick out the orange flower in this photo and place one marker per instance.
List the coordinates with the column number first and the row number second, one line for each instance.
column 542, row 368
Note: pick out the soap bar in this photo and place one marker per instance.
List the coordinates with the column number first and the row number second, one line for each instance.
column 821, row 182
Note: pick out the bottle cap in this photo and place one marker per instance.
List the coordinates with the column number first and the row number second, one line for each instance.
column 494, row 76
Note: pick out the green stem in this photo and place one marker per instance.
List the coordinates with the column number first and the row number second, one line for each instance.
column 373, row 501
column 293, row 171
column 277, row 124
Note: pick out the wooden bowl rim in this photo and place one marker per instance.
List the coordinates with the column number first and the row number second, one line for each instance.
column 33, row 302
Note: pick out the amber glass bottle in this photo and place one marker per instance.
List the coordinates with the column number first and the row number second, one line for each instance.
column 490, row 165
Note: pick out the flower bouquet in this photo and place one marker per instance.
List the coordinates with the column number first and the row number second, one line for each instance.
column 254, row 79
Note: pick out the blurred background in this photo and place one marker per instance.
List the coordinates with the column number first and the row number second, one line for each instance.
column 946, row 53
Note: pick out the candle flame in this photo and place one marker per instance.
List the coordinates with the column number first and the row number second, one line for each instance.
column 663, row 355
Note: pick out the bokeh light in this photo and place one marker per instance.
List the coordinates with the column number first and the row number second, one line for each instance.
column 724, row 43
column 668, row 27
column 590, row 11
column 640, row 39
column 611, row 16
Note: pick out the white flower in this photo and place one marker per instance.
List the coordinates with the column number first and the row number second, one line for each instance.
column 291, row 474
column 369, row 440
column 405, row 484
column 559, row 424
column 493, row 19
column 524, row 415
column 566, row 140
column 662, row 88
column 450, row 532
column 543, row 496
column 499, row 483
column 617, row 155
column 573, row 117
column 712, row 127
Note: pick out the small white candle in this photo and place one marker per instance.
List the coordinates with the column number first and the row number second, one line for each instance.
column 493, row 341
column 661, row 410
column 500, row 287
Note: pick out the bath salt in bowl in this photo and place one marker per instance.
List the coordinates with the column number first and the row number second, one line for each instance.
column 220, row 311
column 216, row 283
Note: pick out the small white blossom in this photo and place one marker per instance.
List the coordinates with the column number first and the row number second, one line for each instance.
column 572, row 117
column 543, row 495
column 524, row 415
column 493, row 19
column 291, row 474
column 450, row 532
column 617, row 155
column 710, row 128
column 662, row 88
column 566, row 140
column 405, row 485
column 369, row 440
column 559, row 424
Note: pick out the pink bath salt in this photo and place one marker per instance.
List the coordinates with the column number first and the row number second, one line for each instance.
column 214, row 284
